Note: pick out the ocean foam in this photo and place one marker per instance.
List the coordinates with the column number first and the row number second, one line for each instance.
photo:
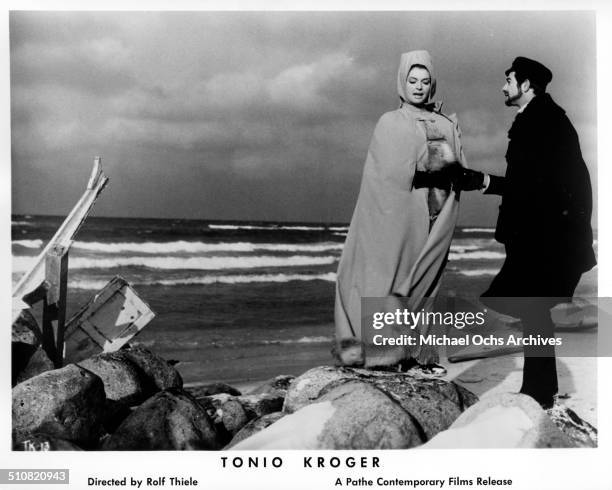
column 477, row 255
column 478, row 230
column 302, row 228
column 22, row 264
column 269, row 227
column 190, row 247
column 304, row 340
column 229, row 279
column 478, row 272
column 240, row 227
column 28, row 243
column 201, row 247
column 463, row 248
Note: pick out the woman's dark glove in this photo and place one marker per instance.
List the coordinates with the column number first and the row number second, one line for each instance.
column 440, row 179
column 455, row 175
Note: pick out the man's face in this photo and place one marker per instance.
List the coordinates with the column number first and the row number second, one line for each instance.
column 512, row 90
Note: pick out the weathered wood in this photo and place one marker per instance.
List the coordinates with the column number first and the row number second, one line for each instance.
column 484, row 352
column 107, row 322
column 33, row 278
column 54, row 305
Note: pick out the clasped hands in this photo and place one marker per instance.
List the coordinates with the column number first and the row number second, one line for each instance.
column 452, row 175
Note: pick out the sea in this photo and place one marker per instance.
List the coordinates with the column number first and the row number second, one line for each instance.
column 235, row 301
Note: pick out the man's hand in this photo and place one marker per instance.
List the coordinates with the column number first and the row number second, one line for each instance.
column 466, row 179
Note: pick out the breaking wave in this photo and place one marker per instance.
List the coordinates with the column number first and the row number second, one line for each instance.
column 22, row 264
column 303, row 340
column 477, row 255
column 478, row 272
column 240, row 227
column 29, row 243
column 230, row 279
column 463, row 248
column 302, row 228
column 201, row 247
column 269, row 227
column 478, row 230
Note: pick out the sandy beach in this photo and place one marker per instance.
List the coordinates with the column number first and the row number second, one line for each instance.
column 577, row 380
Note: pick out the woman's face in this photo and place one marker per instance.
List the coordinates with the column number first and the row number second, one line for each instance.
column 418, row 86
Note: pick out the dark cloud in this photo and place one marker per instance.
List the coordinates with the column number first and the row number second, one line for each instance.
column 259, row 115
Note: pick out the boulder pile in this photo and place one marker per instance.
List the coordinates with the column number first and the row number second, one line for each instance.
column 345, row 408
column 134, row 400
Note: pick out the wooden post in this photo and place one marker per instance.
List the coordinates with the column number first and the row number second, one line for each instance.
column 54, row 305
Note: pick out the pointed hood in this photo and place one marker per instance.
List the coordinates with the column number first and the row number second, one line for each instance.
column 407, row 61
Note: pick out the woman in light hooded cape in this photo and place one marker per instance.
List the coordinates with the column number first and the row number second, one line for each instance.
column 397, row 244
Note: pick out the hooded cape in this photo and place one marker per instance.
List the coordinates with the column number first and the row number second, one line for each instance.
column 390, row 250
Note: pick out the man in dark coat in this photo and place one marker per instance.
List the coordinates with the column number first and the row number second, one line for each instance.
column 544, row 218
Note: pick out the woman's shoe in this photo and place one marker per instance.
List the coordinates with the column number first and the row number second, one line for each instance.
column 432, row 370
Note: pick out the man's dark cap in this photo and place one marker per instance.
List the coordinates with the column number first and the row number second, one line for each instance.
column 536, row 72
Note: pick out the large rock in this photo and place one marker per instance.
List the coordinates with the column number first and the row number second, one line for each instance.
column 159, row 374
column 367, row 418
column 353, row 415
column 231, row 413
column 27, row 357
column 114, row 414
column 123, row 381
column 212, row 389
column 170, row 420
column 433, row 403
column 26, row 330
column 307, row 388
column 233, row 416
column 28, row 363
column 579, row 431
column 262, row 404
column 66, row 403
column 278, row 385
column 507, row 420
column 255, row 426
column 226, row 413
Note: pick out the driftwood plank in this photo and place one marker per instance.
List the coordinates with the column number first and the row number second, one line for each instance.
column 33, row 278
column 484, row 352
column 107, row 322
column 54, row 306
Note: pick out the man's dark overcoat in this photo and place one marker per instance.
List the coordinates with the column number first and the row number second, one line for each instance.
column 545, row 214
column 545, row 224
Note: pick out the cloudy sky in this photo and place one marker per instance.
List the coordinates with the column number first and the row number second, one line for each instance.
column 261, row 115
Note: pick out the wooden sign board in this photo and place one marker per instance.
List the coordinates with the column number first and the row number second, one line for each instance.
column 107, row 322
